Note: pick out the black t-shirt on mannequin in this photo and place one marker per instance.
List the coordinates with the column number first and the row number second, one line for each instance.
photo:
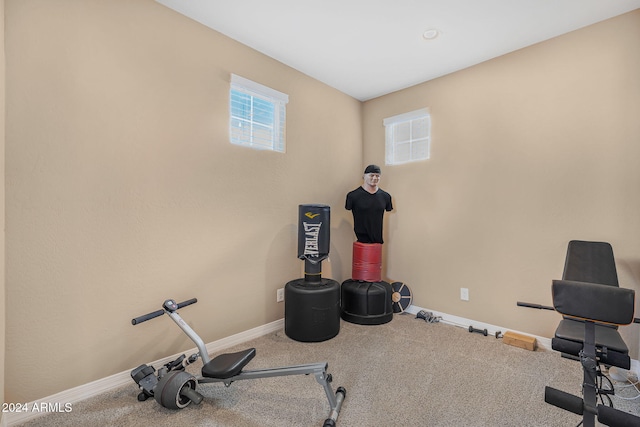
column 368, row 210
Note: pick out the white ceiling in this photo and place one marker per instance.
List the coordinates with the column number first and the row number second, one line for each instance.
column 368, row 48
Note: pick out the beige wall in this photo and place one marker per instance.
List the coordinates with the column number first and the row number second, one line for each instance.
column 123, row 190
column 529, row 151
column 2, row 214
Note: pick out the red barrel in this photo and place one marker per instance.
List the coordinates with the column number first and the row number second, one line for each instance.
column 367, row 262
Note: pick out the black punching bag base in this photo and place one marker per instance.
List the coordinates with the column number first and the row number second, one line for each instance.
column 312, row 310
column 366, row 303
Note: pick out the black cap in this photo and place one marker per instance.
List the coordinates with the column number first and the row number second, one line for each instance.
column 372, row 169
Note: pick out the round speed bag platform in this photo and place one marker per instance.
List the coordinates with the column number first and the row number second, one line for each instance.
column 366, row 303
column 312, row 310
column 401, row 297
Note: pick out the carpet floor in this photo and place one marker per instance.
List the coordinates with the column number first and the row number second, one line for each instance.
column 403, row 373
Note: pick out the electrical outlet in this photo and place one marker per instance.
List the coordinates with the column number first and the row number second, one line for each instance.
column 464, row 294
column 280, row 295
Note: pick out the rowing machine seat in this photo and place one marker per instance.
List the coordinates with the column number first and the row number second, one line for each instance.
column 228, row 365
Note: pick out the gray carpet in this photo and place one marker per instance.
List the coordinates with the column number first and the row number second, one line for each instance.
column 404, row 373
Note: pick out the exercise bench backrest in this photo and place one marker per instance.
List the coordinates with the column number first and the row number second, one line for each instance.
column 590, row 262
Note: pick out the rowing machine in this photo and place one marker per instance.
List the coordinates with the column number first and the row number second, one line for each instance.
column 174, row 388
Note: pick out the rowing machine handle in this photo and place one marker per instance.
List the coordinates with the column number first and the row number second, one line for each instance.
column 146, row 317
column 187, row 302
column 159, row 313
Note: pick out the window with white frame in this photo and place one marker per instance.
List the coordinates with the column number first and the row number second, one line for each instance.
column 257, row 115
column 408, row 137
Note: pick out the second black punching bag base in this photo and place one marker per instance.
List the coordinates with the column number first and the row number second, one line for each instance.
column 366, row 303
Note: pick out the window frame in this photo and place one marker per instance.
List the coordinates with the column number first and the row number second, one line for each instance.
column 391, row 125
column 276, row 126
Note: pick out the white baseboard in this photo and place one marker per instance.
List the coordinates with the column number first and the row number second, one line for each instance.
column 543, row 342
column 465, row 323
column 58, row 401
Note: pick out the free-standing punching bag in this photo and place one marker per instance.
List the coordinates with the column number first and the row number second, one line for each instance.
column 367, row 299
column 312, row 304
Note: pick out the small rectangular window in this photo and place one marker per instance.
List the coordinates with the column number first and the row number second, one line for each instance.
column 257, row 115
column 407, row 137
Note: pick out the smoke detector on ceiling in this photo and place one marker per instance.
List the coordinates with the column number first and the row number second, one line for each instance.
column 430, row 34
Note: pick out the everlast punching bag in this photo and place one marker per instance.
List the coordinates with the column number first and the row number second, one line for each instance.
column 312, row 304
column 313, row 239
